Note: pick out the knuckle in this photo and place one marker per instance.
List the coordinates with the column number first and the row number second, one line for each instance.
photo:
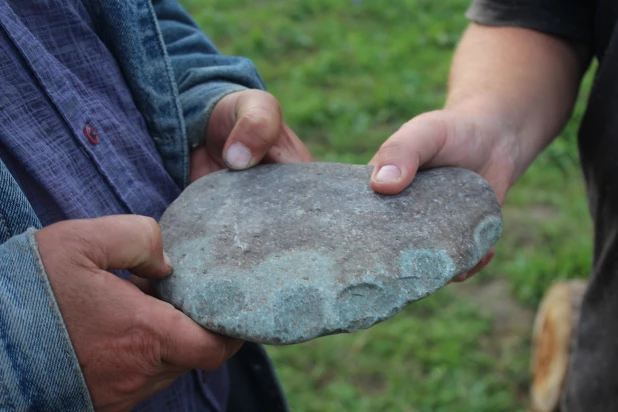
column 271, row 102
column 425, row 133
column 150, row 234
column 150, row 226
column 87, row 246
column 393, row 146
column 81, row 235
column 174, row 315
column 142, row 337
column 218, row 356
column 261, row 98
column 262, row 115
column 437, row 122
column 64, row 245
column 140, row 351
column 257, row 119
column 217, row 350
column 434, row 118
column 260, row 129
column 128, row 385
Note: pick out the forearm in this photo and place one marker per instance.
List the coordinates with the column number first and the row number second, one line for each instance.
column 526, row 80
column 203, row 75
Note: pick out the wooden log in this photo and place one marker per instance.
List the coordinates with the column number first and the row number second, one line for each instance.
column 552, row 339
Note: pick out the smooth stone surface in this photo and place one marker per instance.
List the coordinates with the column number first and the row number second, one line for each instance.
column 282, row 254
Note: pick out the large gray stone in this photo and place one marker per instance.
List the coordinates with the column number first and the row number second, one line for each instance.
column 282, row 254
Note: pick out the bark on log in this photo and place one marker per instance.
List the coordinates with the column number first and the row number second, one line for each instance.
column 552, row 340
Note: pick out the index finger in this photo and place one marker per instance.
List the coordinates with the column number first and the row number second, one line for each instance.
column 188, row 345
column 288, row 149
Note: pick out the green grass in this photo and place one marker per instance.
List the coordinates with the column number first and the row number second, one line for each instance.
column 348, row 74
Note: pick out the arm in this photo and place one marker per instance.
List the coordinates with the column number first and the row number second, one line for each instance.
column 71, row 333
column 527, row 79
column 227, row 125
column 203, row 75
column 511, row 91
column 38, row 366
column 75, row 337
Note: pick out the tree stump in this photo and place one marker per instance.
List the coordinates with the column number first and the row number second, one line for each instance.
column 552, row 339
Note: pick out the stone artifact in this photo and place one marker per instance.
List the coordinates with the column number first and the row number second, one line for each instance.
column 282, row 254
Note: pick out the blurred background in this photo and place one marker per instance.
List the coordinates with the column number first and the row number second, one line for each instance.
column 348, row 73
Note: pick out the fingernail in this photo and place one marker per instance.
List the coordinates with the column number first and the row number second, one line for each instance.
column 167, row 260
column 388, row 173
column 238, row 156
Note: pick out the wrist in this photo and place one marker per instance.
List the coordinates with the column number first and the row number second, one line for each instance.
column 496, row 132
column 523, row 128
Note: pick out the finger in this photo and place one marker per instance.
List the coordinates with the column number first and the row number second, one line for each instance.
column 411, row 147
column 257, row 129
column 122, row 242
column 288, row 149
column 145, row 285
column 476, row 269
column 203, row 162
column 186, row 344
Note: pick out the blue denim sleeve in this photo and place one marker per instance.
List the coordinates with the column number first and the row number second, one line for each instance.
column 203, row 75
column 39, row 370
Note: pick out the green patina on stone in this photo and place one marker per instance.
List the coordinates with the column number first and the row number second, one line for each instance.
column 282, row 254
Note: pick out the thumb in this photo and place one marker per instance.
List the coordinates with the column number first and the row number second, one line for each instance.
column 258, row 127
column 112, row 242
column 412, row 146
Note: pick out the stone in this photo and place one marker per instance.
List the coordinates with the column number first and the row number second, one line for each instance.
column 282, row 254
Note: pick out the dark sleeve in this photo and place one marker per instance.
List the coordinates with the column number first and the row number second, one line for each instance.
column 572, row 19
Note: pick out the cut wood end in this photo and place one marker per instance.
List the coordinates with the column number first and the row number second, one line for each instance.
column 554, row 325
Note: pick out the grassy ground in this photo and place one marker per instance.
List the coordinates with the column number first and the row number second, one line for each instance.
column 348, row 73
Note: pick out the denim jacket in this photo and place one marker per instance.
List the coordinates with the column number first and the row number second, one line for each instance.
column 176, row 77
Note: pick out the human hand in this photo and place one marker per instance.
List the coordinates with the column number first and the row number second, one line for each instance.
column 244, row 129
column 448, row 138
column 129, row 345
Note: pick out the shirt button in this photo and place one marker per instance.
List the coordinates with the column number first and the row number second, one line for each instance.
column 91, row 134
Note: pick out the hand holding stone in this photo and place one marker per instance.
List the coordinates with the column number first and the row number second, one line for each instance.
column 129, row 345
column 246, row 128
column 455, row 138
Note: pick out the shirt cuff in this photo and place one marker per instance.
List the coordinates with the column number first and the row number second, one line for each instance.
column 39, row 369
column 198, row 104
